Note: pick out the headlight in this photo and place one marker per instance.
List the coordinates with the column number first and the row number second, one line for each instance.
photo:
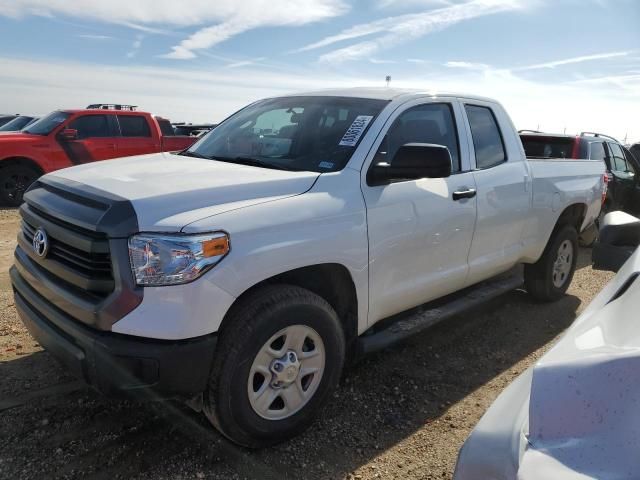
column 158, row 260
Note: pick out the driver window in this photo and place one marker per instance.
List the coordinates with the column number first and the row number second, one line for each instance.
column 91, row 126
column 428, row 123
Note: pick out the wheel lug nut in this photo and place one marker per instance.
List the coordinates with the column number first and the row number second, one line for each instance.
column 292, row 357
column 277, row 367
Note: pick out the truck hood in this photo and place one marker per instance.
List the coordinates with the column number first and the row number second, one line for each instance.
column 573, row 415
column 583, row 414
column 170, row 191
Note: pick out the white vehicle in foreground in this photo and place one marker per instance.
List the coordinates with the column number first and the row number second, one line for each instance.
column 244, row 272
column 574, row 415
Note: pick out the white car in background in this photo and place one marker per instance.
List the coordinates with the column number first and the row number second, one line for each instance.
column 575, row 414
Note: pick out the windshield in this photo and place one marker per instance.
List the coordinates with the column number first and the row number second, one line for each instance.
column 16, row 124
column 45, row 125
column 293, row 133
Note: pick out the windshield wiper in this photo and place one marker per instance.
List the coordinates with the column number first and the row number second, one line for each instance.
column 188, row 153
column 254, row 162
column 250, row 161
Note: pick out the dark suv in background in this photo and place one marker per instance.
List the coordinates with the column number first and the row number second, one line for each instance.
column 622, row 166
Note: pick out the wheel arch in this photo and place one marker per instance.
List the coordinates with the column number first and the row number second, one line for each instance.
column 572, row 215
column 17, row 160
column 331, row 281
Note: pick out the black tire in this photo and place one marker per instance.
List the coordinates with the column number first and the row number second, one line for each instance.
column 14, row 181
column 539, row 277
column 260, row 316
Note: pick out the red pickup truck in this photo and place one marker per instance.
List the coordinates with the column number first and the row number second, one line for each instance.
column 71, row 137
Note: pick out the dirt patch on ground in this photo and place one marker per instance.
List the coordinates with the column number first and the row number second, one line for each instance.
column 402, row 413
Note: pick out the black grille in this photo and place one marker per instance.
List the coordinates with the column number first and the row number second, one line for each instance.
column 78, row 258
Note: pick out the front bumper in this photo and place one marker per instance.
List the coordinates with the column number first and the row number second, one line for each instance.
column 116, row 364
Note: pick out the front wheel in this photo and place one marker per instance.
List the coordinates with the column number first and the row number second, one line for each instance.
column 15, row 179
column 278, row 360
column 549, row 278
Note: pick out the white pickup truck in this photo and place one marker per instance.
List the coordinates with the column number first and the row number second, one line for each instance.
column 302, row 232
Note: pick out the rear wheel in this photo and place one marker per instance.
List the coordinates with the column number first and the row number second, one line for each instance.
column 15, row 179
column 549, row 278
column 277, row 362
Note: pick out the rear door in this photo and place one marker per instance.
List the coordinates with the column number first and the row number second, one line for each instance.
column 136, row 136
column 96, row 139
column 419, row 236
column 502, row 180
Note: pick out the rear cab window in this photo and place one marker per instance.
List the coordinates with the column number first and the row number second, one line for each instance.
column 134, row 126
column 537, row 146
column 165, row 127
column 487, row 137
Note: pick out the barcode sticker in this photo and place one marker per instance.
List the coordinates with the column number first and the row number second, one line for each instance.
column 354, row 132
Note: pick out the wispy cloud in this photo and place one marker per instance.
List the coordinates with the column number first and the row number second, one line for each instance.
column 412, row 3
column 254, row 14
column 94, row 37
column 467, row 65
column 135, row 46
column 569, row 61
column 392, row 31
column 246, row 63
column 222, row 19
column 629, row 81
column 379, row 61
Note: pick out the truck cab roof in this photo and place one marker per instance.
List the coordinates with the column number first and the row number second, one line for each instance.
column 386, row 93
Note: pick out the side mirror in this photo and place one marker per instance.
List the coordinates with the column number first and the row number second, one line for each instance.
column 69, row 134
column 618, row 238
column 413, row 161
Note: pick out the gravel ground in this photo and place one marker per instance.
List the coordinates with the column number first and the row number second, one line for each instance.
column 402, row 413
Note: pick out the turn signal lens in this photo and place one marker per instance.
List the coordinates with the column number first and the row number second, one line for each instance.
column 215, row 247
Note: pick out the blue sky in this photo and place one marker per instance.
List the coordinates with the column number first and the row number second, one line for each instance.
column 563, row 64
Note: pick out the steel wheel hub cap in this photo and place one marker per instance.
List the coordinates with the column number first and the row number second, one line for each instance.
column 562, row 264
column 286, row 372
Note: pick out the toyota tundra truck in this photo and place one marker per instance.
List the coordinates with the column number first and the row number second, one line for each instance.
column 73, row 137
column 304, row 231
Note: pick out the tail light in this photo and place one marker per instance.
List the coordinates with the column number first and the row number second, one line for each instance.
column 606, row 178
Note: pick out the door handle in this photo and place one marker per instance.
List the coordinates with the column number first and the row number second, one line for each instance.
column 460, row 194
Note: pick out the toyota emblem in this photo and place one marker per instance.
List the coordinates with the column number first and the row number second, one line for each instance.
column 40, row 242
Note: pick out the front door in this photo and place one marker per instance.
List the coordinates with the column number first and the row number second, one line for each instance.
column 419, row 236
column 96, row 140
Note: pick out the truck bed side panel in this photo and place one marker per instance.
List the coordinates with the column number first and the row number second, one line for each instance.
column 558, row 184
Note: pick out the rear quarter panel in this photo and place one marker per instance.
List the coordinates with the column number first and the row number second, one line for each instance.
column 558, row 184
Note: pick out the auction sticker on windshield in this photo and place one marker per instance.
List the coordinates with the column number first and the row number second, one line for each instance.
column 354, row 132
